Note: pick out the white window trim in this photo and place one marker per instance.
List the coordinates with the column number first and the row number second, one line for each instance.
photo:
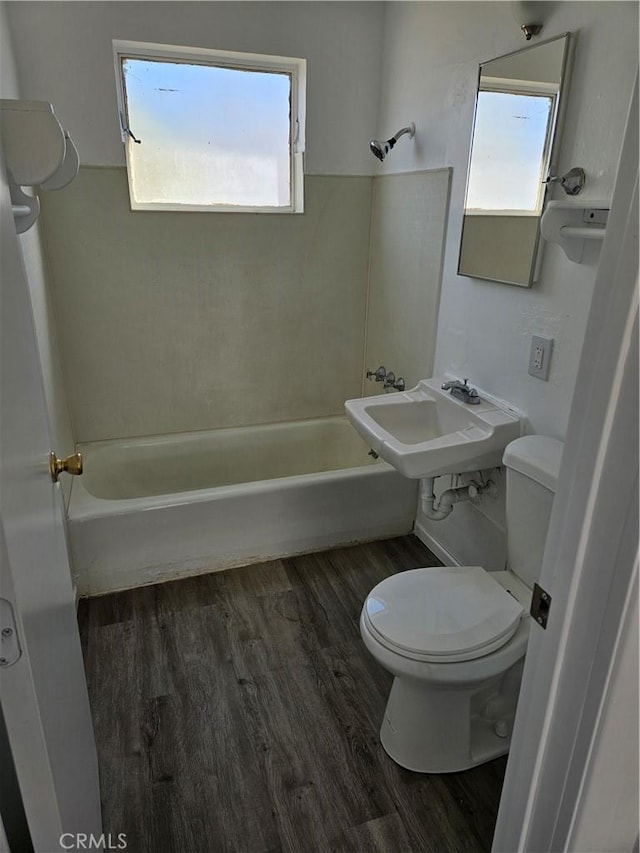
column 511, row 86
column 296, row 69
column 481, row 211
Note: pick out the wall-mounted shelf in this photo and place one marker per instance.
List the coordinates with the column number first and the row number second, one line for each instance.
column 569, row 224
column 38, row 153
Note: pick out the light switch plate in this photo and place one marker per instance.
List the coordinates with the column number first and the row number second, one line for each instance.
column 540, row 356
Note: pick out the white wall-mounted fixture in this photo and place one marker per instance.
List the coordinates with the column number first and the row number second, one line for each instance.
column 427, row 431
column 38, row 153
column 569, row 224
column 530, row 15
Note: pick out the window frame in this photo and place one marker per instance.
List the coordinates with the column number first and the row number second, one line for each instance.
column 295, row 68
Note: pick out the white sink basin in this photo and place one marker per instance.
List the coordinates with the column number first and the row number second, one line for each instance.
column 426, row 432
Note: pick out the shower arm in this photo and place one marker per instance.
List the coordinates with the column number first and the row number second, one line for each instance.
column 410, row 129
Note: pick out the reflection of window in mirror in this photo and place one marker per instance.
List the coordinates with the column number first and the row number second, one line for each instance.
column 517, row 108
column 506, row 170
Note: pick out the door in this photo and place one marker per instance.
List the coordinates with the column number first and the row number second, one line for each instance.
column 43, row 693
column 572, row 776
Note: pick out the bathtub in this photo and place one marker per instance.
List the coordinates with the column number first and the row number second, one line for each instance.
column 163, row 507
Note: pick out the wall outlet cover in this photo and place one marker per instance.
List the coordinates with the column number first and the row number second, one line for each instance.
column 540, row 357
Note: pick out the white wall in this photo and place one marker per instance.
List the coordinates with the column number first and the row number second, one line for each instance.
column 405, row 264
column 431, row 55
column 430, row 60
column 8, row 71
column 66, row 58
column 173, row 322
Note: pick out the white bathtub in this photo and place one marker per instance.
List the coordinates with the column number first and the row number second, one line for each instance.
column 157, row 508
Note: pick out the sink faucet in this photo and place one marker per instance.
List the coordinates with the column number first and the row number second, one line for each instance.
column 461, row 391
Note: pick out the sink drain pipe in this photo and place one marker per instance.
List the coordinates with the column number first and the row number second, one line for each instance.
column 450, row 497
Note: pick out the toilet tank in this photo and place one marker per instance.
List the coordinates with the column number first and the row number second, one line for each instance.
column 532, row 464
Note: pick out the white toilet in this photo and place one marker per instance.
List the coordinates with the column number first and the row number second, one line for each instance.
column 455, row 637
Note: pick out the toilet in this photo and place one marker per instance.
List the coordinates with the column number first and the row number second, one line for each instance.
column 455, row 637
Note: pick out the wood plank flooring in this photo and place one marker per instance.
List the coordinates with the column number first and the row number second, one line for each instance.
column 239, row 711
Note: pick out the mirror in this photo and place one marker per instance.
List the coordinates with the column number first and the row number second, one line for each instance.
column 512, row 152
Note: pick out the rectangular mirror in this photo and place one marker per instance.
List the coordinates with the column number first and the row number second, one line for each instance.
column 515, row 134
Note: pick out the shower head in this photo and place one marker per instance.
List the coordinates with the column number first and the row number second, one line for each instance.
column 381, row 149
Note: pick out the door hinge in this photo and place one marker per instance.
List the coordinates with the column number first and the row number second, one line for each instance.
column 9, row 646
column 540, row 605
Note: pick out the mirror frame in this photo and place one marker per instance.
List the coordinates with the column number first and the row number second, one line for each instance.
column 553, row 150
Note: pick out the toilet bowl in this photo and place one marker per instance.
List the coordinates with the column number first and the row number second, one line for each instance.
column 455, row 637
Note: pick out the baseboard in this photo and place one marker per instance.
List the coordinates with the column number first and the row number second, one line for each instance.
column 445, row 557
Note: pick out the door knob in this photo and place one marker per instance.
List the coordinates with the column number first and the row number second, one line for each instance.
column 72, row 465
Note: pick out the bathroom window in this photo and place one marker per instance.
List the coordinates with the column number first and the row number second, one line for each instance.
column 211, row 130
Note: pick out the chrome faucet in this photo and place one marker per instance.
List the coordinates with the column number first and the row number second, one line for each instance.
column 461, row 391
column 388, row 377
column 379, row 375
column 393, row 384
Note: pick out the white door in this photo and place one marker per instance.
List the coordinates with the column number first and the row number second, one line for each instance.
column 43, row 693
column 572, row 775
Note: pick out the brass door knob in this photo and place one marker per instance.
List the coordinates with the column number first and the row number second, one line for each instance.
column 72, row 465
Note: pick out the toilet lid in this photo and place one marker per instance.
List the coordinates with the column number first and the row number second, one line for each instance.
column 442, row 614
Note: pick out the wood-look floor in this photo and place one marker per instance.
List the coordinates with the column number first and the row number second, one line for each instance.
column 239, row 711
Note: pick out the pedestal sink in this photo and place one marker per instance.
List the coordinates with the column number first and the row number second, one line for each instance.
column 425, row 432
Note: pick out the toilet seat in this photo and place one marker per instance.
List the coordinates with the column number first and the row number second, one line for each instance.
column 442, row 614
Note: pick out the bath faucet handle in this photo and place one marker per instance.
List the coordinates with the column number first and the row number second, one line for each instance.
column 393, row 384
column 379, row 375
